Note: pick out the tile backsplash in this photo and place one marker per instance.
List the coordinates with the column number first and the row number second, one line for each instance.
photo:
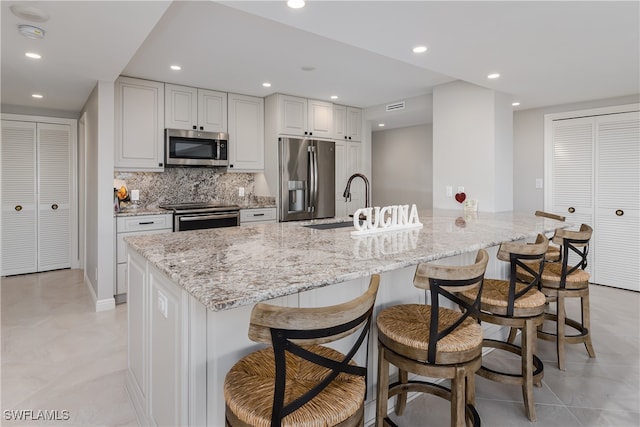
column 180, row 185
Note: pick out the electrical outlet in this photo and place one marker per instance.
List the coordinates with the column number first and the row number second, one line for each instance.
column 449, row 190
column 241, row 191
column 538, row 182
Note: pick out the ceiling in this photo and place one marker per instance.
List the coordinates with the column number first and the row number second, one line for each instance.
column 547, row 53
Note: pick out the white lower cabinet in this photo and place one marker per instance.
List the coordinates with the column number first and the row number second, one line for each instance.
column 133, row 226
column 257, row 215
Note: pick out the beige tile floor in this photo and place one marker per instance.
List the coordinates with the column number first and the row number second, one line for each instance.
column 57, row 354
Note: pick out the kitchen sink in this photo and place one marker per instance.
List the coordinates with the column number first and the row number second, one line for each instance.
column 330, row 225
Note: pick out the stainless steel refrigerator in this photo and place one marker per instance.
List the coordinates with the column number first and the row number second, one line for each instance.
column 307, row 178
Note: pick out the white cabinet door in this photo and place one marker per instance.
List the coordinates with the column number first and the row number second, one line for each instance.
column 246, row 133
column 181, row 107
column 139, row 125
column 595, row 180
column 348, row 162
column 19, row 198
column 320, row 118
column 212, row 111
column 293, row 115
column 617, row 215
column 54, row 196
column 339, row 122
column 354, row 124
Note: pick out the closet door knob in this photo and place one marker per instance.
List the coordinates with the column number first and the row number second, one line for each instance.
column 54, row 206
column 18, row 208
column 571, row 210
column 619, row 212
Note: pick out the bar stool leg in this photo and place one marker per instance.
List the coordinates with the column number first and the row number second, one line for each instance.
column 527, row 341
column 512, row 335
column 560, row 330
column 457, row 398
column 383, row 387
column 401, row 399
column 586, row 323
column 470, row 389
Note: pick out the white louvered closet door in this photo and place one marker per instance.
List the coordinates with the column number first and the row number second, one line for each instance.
column 617, row 231
column 19, row 221
column 573, row 142
column 54, row 193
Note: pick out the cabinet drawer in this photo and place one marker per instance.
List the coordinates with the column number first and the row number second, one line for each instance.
column 257, row 215
column 144, row 222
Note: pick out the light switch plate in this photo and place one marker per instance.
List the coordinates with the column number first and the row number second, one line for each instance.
column 538, row 182
column 449, row 190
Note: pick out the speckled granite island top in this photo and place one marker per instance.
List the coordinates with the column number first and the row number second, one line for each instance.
column 229, row 267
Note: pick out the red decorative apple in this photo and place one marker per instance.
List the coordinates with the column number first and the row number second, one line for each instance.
column 461, row 197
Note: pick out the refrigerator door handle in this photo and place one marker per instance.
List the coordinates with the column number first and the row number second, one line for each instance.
column 315, row 179
column 311, row 179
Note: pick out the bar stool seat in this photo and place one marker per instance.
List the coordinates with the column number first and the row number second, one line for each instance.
column 249, row 389
column 298, row 381
column 495, row 296
column 434, row 342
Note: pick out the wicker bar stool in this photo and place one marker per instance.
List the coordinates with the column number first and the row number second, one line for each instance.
column 519, row 306
column 563, row 280
column 553, row 253
column 297, row 381
column 433, row 341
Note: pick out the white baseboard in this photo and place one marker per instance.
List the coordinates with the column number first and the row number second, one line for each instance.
column 100, row 305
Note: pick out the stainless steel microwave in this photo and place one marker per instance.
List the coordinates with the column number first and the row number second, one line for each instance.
column 195, row 148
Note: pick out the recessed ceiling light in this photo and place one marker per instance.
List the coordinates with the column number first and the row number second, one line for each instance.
column 31, row 32
column 266, row 84
column 176, row 67
column 493, row 76
column 295, row 4
column 381, row 125
column 334, row 96
column 32, row 55
column 419, row 49
column 37, row 95
column 515, row 104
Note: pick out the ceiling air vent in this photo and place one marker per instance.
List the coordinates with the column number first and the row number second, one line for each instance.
column 395, row 106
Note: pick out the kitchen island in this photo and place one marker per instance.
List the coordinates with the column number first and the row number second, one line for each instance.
column 191, row 294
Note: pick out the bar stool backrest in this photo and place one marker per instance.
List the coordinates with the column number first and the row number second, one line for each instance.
column 447, row 281
column 290, row 329
column 578, row 243
column 529, row 257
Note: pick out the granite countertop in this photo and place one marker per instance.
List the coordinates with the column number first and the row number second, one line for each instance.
column 229, row 267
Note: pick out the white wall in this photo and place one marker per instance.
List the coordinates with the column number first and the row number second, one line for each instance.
column 402, row 166
column 471, row 138
column 528, row 150
column 99, row 156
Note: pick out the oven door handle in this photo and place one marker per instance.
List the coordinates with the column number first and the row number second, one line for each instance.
column 206, row 217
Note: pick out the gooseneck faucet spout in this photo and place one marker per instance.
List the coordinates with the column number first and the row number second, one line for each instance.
column 347, row 190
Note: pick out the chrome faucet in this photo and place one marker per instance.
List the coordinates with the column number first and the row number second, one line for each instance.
column 347, row 190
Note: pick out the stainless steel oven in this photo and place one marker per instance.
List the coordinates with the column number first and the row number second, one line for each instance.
column 199, row 216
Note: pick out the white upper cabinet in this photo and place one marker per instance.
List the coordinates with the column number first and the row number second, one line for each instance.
column 354, row 124
column 246, row 133
column 191, row 108
column 304, row 117
column 139, row 125
column 320, row 118
column 347, row 123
